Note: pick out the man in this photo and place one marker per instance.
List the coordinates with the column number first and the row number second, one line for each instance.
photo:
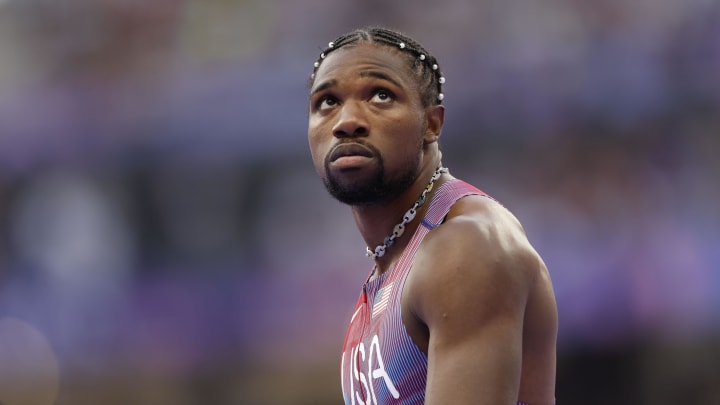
column 458, row 308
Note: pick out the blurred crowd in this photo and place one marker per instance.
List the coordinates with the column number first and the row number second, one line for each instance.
column 162, row 228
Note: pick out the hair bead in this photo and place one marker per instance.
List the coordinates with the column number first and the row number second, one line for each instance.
column 402, row 45
column 441, row 80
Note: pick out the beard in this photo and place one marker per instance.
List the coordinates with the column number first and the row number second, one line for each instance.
column 377, row 188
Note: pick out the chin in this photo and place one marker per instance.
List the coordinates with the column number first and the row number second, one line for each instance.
column 377, row 189
column 356, row 193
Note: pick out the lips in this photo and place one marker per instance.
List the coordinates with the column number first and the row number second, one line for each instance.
column 349, row 149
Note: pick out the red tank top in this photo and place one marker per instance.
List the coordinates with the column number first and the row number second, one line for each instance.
column 380, row 363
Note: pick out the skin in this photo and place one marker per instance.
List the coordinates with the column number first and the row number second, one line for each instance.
column 478, row 300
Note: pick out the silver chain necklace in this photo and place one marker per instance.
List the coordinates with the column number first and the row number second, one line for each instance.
column 409, row 216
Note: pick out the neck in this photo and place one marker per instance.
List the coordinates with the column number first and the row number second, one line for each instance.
column 386, row 228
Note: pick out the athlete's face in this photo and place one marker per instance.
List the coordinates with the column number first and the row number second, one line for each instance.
column 366, row 124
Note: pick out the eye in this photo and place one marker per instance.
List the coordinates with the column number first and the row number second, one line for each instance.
column 326, row 102
column 383, row 96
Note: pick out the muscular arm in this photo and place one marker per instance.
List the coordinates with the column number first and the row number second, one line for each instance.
column 470, row 287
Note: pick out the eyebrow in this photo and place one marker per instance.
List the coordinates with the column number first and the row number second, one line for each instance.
column 372, row 73
column 380, row 75
column 323, row 86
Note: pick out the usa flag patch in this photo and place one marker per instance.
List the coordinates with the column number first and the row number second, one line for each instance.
column 382, row 298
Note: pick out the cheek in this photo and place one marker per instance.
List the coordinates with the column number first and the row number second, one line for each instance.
column 407, row 137
column 318, row 149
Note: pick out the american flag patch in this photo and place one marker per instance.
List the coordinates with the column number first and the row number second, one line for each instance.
column 382, row 298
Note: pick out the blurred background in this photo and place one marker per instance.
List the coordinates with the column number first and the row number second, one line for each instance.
column 165, row 240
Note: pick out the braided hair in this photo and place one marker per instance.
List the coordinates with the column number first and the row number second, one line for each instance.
column 424, row 65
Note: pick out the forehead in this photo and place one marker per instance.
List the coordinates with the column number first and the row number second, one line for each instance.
column 356, row 60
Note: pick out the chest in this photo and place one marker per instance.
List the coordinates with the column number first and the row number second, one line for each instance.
column 380, row 362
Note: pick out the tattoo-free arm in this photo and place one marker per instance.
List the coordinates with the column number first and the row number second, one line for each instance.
column 470, row 287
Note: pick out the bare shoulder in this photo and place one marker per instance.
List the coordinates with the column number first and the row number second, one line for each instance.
column 479, row 301
column 478, row 263
column 480, row 240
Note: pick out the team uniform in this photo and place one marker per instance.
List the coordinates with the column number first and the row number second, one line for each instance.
column 380, row 363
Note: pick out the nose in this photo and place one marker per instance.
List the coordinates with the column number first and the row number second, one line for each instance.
column 351, row 121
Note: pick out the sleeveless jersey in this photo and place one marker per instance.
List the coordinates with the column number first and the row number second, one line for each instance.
column 380, row 363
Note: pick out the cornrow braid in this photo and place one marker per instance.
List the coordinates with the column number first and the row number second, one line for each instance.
column 424, row 65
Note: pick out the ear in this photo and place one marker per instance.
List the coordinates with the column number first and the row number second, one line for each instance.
column 435, row 117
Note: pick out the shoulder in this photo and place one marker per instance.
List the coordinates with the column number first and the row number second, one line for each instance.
column 480, row 234
column 479, row 257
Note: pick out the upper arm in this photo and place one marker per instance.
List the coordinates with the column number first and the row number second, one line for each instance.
column 470, row 285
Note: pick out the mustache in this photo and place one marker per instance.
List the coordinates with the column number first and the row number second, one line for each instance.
column 349, row 144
